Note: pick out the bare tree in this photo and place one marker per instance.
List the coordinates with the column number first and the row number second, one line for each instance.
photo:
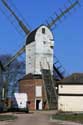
column 12, row 74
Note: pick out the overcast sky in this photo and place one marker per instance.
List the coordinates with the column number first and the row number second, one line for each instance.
column 68, row 33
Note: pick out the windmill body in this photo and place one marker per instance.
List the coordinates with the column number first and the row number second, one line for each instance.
column 39, row 50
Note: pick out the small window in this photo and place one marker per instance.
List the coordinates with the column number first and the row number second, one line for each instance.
column 44, row 42
column 43, row 30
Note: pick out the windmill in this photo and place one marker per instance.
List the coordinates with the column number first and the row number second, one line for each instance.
column 26, row 30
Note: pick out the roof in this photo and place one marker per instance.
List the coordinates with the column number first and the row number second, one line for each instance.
column 31, row 37
column 74, row 78
column 31, row 76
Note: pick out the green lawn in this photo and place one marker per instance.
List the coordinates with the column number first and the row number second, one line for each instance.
column 69, row 117
column 7, row 117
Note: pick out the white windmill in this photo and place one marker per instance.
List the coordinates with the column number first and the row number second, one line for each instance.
column 39, row 51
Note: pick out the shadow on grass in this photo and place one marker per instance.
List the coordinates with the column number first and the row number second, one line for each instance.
column 75, row 117
column 7, row 117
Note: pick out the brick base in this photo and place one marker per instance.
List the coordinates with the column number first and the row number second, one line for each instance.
column 28, row 86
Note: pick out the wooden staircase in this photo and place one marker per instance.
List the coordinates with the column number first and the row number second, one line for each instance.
column 49, row 88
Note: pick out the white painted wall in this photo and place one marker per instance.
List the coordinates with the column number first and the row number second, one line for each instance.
column 40, row 105
column 70, row 103
column 30, row 58
column 67, row 102
column 71, row 89
column 40, row 51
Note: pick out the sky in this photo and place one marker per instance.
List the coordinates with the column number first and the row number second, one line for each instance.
column 68, row 33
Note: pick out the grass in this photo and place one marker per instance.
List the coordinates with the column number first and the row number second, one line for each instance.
column 7, row 117
column 69, row 117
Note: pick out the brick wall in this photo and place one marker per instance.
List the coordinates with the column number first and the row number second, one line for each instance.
column 28, row 86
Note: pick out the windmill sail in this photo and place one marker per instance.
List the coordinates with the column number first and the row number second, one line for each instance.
column 54, row 21
column 15, row 56
column 21, row 24
column 23, row 27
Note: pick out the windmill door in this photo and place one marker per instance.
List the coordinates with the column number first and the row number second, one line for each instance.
column 38, row 103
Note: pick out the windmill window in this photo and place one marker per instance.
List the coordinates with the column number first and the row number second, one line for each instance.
column 44, row 42
column 29, row 63
column 43, row 30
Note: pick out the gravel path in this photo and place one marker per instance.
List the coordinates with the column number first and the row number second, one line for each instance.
column 36, row 118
